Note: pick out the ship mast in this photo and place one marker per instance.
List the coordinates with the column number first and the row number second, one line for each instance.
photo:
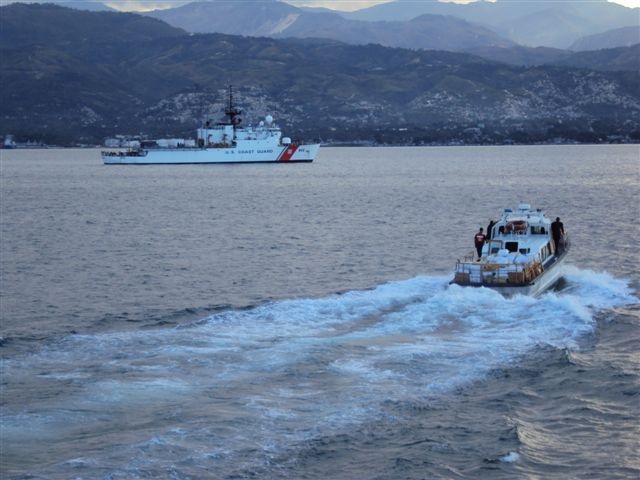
column 232, row 112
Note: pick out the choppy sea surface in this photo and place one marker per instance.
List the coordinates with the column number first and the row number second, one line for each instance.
column 296, row 322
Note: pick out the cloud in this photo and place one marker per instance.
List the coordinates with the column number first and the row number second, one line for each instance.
column 146, row 5
column 349, row 5
column 344, row 5
column 143, row 5
column 628, row 3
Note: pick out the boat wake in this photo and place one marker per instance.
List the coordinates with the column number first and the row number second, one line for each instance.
column 288, row 371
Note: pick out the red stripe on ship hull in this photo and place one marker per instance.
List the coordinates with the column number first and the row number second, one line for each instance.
column 287, row 153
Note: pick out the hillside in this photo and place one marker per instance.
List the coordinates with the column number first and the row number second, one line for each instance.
column 248, row 17
column 531, row 23
column 612, row 59
column 619, row 37
column 280, row 20
column 154, row 80
column 427, row 32
column 56, row 26
column 523, row 56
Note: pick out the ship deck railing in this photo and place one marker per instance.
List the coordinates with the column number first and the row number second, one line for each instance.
column 127, row 153
column 471, row 272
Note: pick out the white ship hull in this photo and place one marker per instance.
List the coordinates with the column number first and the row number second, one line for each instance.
column 171, row 156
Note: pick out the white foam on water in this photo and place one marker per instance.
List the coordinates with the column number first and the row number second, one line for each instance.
column 133, row 392
column 510, row 457
column 598, row 290
column 457, row 335
column 296, row 368
column 361, row 368
column 304, row 317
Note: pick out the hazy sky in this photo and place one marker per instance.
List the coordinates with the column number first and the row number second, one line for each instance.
column 333, row 4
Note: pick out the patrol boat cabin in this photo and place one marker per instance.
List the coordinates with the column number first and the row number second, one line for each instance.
column 519, row 256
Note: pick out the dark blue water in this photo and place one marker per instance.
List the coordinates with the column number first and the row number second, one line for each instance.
column 295, row 321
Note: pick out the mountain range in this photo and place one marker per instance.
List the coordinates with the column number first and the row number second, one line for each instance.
column 530, row 23
column 280, row 20
column 412, row 24
column 71, row 75
column 519, row 33
column 562, row 24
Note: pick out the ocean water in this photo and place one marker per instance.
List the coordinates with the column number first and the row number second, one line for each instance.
column 295, row 321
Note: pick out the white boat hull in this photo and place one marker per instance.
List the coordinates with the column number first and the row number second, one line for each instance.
column 172, row 156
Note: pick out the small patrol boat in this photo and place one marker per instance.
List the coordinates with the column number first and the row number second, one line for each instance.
column 519, row 256
column 8, row 143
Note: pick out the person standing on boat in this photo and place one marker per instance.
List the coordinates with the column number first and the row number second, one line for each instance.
column 479, row 240
column 557, row 231
column 490, row 228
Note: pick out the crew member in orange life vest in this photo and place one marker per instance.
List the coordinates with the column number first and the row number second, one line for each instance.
column 479, row 242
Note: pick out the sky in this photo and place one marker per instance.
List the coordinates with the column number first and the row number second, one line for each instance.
column 345, row 5
column 358, row 4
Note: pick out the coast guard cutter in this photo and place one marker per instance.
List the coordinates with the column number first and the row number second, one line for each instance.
column 223, row 142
